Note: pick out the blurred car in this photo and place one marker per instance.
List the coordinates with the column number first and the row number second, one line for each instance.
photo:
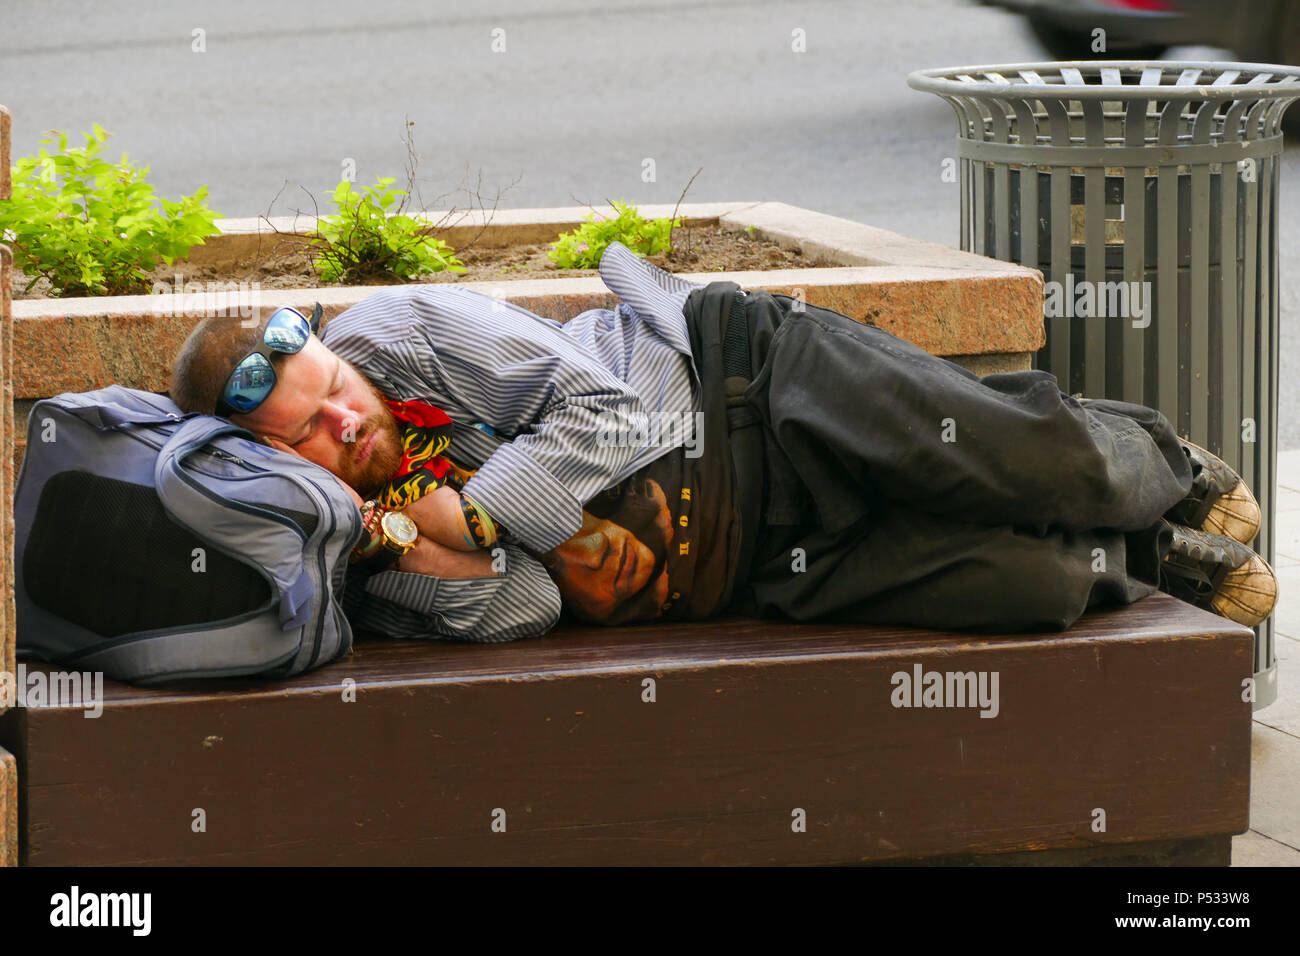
column 1260, row 31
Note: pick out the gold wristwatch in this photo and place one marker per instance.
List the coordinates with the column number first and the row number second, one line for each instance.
column 391, row 537
column 400, row 533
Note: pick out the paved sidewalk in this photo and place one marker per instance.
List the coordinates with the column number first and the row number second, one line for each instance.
column 1274, row 835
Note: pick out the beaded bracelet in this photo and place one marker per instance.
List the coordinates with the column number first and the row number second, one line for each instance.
column 371, row 537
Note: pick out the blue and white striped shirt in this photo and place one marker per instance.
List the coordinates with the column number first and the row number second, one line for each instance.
column 547, row 389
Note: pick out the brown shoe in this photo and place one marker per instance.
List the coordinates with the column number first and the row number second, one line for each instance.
column 1219, row 501
column 1218, row 573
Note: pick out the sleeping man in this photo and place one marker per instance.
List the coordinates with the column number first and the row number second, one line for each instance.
column 700, row 448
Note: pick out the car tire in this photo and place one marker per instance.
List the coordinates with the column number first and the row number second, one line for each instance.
column 1063, row 43
column 1284, row 49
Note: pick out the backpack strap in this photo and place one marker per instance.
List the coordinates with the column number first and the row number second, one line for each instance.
column 245, row 531
column 106, row 415
column 249, row 646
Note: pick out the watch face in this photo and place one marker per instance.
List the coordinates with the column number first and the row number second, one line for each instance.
column 400, row 528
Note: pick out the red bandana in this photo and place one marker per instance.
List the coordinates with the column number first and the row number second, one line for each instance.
column 425, row 437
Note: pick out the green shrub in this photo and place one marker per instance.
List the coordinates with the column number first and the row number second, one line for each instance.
column 582, row 248
column 93, row 228
column 364, row 242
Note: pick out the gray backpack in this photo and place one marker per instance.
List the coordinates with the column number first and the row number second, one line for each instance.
column 154, row 545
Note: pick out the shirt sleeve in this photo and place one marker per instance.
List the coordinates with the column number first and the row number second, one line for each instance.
column 521, row 602
column 521, row 374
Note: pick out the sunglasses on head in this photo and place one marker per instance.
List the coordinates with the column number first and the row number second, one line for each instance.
column 254, row 376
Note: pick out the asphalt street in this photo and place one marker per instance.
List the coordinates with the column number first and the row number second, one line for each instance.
column 551, row 102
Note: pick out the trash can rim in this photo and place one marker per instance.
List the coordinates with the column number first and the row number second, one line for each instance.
column 1283, row 81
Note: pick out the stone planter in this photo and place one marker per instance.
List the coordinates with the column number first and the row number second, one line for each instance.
column 982, row 313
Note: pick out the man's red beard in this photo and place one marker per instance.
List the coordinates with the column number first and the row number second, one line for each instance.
column 375, row 472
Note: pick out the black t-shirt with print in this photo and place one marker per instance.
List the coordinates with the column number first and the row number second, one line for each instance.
column 655, row 546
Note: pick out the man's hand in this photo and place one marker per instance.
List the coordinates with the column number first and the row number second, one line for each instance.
column 438, row 516
column 429, row 557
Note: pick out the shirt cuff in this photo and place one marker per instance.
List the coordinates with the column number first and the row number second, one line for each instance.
column 522, row 602
column 532, row 505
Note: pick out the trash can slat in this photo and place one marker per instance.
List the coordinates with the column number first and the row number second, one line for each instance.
column 1229, row 338
column 1199, row 213
column 1094, row 212
column 1135, row 333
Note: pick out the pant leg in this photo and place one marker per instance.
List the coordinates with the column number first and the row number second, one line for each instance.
column 864, row 416
column 907, row 567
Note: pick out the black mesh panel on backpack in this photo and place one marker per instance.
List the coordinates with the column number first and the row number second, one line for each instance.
column 105, row 555
column 307, row 522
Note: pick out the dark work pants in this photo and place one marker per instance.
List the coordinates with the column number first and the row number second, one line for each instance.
column 947, row 500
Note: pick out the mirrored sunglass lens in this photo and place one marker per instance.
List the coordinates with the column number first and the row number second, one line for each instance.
column 250, row 383
column 287, row 331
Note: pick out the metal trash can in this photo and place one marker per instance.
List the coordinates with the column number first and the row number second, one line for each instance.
column 1153, row 190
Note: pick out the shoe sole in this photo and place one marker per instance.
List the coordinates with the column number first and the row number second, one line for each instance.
column 1244, row 590
column 1236, row 514
column 1251, row 598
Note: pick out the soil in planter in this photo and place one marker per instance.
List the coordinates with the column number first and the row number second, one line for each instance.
column 287, row 266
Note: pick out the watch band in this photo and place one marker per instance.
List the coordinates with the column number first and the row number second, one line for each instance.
column 378, row 550
column 381, row 560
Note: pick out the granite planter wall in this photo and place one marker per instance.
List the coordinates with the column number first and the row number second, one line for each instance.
column 8, row 769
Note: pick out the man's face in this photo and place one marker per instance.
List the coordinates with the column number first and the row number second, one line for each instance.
column 604, row 571
column 324, row 410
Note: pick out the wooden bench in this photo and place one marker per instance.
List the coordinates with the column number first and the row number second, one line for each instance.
column 551, row 751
